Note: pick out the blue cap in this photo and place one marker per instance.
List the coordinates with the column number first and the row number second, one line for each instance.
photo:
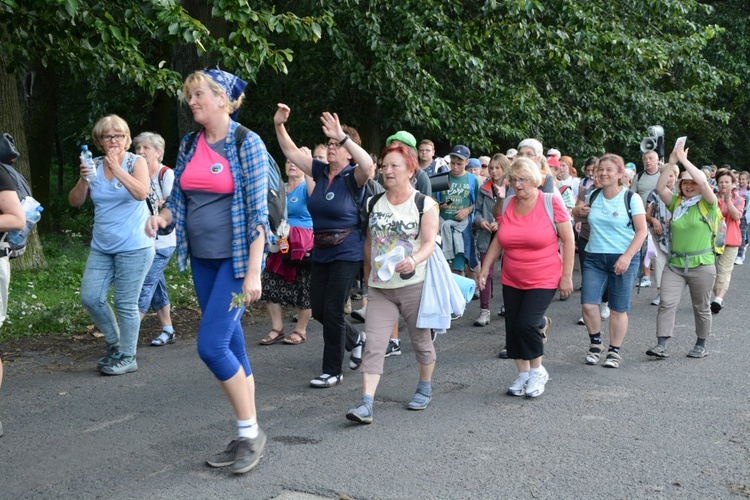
column 461, row 152
column 474, row 163
column 630, row 166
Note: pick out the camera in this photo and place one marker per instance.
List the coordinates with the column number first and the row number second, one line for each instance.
column 654, row 141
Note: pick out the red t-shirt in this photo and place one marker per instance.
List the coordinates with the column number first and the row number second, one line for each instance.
column 531, row 258
column 734, row 236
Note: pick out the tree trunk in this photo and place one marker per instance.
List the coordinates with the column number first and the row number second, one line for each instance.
column 11, row 121
column 185, row 58
column 41, row 101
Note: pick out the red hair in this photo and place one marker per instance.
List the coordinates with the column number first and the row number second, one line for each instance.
column 406, row 152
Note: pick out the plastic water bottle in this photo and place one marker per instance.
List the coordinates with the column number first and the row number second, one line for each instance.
column 33, row 212
column 88, row 160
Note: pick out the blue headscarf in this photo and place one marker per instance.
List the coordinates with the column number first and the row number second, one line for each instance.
column 232, row 85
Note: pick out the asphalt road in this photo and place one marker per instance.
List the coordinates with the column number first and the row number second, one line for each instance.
column 675, row 428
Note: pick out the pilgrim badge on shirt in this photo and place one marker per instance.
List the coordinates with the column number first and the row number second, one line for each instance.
column 216, row 168
column 615, row 214
column 118, row 185
column 329, row 196
column 293, row 200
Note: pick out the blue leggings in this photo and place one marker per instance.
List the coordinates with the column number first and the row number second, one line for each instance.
column 221, row 341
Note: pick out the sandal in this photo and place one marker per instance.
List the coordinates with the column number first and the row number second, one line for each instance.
column 163, row 339
column 272, row 337
column 296, row 338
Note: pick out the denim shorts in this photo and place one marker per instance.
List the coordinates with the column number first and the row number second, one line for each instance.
column 599, row 274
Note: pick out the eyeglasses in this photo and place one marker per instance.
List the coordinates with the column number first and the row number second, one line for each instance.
column 332, row 144
column 485, row 166
column 519, row 180
column 116, row 137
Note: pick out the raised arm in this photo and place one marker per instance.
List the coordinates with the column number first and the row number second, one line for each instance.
column 698, row 176
column 291, row 151
column 661, row 185
column 332, row 129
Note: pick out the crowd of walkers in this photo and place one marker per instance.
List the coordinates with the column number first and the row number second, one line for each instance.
column 371, row 227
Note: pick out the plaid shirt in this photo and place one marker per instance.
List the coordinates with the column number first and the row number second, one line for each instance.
column 249, row 203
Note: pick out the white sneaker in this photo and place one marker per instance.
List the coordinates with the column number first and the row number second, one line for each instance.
column 484, row 318
column 535, row 385
column 580, row 321
column 645, row 282
column 604, row 310
column 519, row 385
column 656, row 301
column 739, row 261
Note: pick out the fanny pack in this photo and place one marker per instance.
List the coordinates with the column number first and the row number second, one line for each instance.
column 327, row 238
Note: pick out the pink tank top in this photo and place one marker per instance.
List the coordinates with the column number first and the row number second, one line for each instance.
column 207, row 171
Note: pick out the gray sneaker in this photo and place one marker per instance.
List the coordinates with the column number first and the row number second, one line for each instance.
column 226, row 457
column 120, row 365
column 248, row 452
column 108, row 356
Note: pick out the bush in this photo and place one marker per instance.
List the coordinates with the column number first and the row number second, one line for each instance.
column 48, row 301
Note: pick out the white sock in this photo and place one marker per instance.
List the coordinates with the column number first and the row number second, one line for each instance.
column 539, row 370
column 357, row 351
column 525, row 375
column 248, row 428
column 719, row 300
column 167, row 328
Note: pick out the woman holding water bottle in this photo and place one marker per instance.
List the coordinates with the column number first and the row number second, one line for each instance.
column 121, row 252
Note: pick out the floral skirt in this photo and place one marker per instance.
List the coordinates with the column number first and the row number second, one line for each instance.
column 288, row 293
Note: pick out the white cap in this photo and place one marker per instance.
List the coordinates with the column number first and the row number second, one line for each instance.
column 554, row 152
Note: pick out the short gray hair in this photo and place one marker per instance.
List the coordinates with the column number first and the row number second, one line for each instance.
column 533, row 144
column 154, row 140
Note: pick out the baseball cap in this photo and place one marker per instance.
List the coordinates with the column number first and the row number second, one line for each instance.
column 402, row 136
column 553, row 162
column 474, row 163
column 461, row 151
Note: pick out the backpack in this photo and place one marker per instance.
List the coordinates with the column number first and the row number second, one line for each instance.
column 628, row 196
column 718, row 230
column 418, row 199
column 152, row 200
column 371, row 188
column 276, row 197
column 24, row 190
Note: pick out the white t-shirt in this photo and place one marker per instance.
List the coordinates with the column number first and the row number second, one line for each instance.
column 573, row 182
column 392, row 226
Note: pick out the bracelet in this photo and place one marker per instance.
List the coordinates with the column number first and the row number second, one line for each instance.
column 415, row 261
column 343, row 141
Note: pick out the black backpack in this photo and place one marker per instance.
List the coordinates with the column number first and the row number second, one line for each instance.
column 276, row 190
column 24, row 190
column 371, row 188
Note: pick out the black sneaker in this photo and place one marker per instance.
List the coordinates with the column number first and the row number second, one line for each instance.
column 394, row 348
column 715, row 307
column 248, row 452
column 503, row 353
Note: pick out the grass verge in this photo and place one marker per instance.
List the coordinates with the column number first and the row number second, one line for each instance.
column 48, row 301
